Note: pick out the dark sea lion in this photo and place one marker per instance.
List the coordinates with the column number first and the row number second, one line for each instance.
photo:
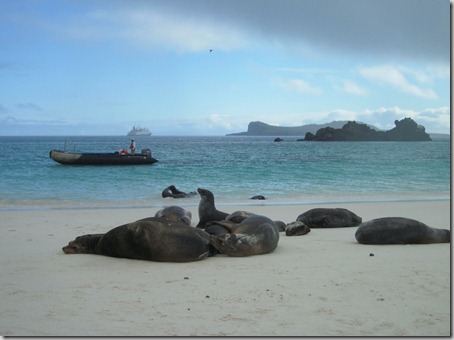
column 172, row 191
column 253, row 236
column 241, row 215
column 168, row 193
column 216, row 229
column 329, row 218
column 154, row 240
column 296, row 228
column 280, row 225
column 175, row 213
column 399, row 230
column 207, row 209
column 258, row 197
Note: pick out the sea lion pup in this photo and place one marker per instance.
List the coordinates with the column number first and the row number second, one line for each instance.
column 207, row 209
column 175, row 213
column 329, row 218
column 253, row 236
column 154, row 240
column 399, row 230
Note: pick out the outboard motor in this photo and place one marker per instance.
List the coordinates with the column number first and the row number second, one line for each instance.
column 146, row 152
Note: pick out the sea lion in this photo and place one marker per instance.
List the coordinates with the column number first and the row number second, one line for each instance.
column 253, row 236
column 258, row 197
column 329, row 218
column 241, row 215
column 213, row 228
column 172, row 191
column 175, row 213
column 155, row 239
column 399, row 230
column 296, row 228
column 207, row 209
column 216, row 229
column 280, row 225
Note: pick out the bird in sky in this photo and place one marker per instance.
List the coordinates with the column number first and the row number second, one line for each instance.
column 211, row 51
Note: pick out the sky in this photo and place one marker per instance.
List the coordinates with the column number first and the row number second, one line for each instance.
column 209, row 67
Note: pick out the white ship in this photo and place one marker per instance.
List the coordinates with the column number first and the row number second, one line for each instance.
column 139, row 132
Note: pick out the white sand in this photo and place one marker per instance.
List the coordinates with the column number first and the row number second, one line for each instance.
column 320, row 284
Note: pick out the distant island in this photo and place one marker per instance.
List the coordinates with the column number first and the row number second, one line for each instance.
column 263, row 129
column 406, row 130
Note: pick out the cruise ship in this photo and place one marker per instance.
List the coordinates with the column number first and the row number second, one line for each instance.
column 139, row 132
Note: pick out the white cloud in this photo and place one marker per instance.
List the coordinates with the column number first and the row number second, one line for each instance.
column 396, row 77
column 434, row 119
column 306, row 70
column 435, row 116
column 352, row 88
column 301, row 86
column 220, row 121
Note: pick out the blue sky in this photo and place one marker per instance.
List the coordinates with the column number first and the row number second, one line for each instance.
column 80, row 67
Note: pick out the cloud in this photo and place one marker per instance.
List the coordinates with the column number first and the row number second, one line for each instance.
column 440, row 117
column 395, row 30
column 151, row 28
column 352, row 88
column 306, row 70
column 434, row 119
column 402, row 29
column 395, row 76
column 300, row 86
column 3, row 109
column 28, row 107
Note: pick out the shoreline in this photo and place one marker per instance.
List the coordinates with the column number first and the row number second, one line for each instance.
column 320, row 284
column 194, row 202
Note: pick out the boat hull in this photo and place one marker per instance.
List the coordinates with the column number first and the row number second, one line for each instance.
column 71, row 158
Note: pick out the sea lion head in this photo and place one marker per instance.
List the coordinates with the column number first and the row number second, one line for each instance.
column 205, row 194
column 82, row 244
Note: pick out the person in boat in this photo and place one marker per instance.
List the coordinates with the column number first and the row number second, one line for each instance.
column 172, row 191
column 133, row 147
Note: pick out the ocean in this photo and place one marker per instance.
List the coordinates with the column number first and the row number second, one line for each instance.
column 233, row 168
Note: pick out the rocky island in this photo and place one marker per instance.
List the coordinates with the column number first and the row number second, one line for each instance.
column 406, row 130
column 263, row 129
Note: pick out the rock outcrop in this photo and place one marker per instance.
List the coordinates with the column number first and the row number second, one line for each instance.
column 263, row 129
column 406, row 130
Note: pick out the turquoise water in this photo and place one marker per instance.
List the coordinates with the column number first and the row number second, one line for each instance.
column 233, row 168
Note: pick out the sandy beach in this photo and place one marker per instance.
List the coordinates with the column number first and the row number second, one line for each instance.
column 320, row 284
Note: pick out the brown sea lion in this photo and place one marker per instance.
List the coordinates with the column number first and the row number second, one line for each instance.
column 241, row 215
column 253, row 236
column 399, row 230
column 329, row 218
column 175, row 213
column 154, row 240
column 207, row 209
